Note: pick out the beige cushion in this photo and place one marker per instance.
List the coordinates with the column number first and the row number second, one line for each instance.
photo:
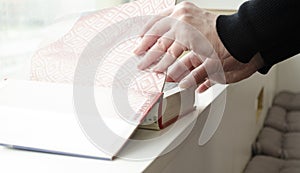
column 276, row 118
column 288, row 100
column 293, row 121
column 269, row 142
column 278, row 144
column 283, row 120
column 265, row 164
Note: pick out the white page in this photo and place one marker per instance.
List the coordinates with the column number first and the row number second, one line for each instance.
column 42, row 116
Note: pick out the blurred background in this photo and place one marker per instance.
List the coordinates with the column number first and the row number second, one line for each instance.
column 24, row 25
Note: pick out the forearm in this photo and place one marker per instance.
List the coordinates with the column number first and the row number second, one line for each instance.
column 265, row 26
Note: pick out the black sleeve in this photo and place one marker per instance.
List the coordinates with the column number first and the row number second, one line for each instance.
column 270, row 27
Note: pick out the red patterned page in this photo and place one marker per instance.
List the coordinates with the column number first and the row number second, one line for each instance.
column 58, row 61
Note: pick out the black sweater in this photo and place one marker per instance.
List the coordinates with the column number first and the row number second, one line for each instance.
column 270, row 27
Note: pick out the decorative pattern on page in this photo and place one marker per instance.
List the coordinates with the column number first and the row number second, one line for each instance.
column 57, row 62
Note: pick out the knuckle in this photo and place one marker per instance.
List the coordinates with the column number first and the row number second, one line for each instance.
column 182, row 10
column 186, row 4
column 171, row 54
column 161, row 45
column 196, row 75
column 195, row 61
column 184, row 7
column 186, row 17
column 154, row 31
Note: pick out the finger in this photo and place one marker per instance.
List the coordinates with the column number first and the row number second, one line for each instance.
column 204, row 86
column 169, row 79
column 214, row 69
column 195, row 59
column 146, row 43
column 159, row 29
column 177, row 72
column 155, row 53
column 181, row 68
column 155, row 19
column 196, row 76
column 174, row 51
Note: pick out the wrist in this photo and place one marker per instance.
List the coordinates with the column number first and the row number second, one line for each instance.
column 217, row 42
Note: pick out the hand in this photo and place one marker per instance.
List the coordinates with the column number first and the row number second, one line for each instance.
column 190, row 70
column 184, row 27
column 187, row 27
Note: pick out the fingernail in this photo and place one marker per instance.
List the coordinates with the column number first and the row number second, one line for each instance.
column 157, row 69
column 141, row 65
column 169, row 79
column 136, row 51
column 140, row 52
column 199, row 90
column 184, row 84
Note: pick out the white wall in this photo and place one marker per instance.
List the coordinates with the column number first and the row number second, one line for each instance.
column 240, row 115
column 288, row 75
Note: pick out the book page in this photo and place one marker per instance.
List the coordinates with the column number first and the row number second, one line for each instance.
column 41, row 116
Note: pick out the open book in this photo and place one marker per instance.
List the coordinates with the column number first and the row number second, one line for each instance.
column 49, row 115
